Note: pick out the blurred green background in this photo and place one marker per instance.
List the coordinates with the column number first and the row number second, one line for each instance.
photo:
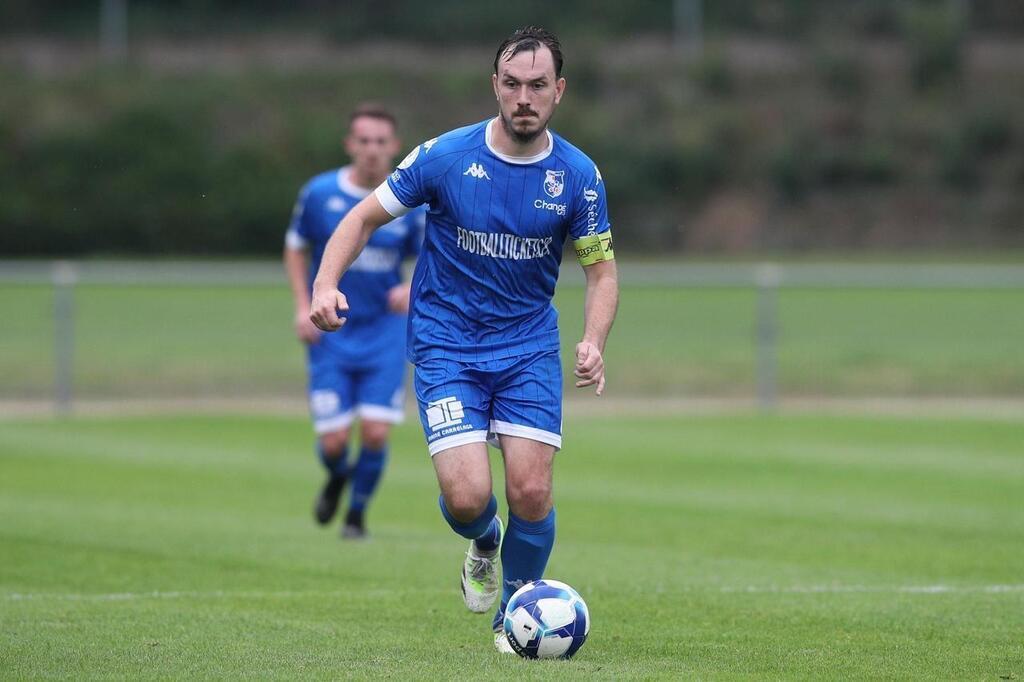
column 728, row 132
column 720, row 126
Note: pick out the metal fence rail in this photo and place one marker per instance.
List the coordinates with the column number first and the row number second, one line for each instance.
column 766, row 278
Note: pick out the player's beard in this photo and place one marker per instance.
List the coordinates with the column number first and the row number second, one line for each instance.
column 523, row 137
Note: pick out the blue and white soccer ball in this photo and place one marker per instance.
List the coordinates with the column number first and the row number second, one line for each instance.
column 546, row 619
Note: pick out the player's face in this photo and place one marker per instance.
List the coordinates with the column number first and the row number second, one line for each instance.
column 528, row 93
column 372, row 145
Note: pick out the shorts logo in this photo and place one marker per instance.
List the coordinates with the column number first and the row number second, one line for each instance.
column 324, row 403
column 444, row 413
column 554, row 183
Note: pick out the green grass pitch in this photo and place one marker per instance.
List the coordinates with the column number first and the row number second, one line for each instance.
column 706, row 546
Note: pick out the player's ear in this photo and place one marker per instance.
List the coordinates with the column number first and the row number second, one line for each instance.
column 494, row 86
column 559, row 90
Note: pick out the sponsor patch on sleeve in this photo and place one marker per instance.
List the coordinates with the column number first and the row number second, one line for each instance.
column 594, row 248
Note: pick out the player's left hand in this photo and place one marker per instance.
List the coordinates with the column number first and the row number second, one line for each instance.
column 328, row 308
column 398, row 298
column 589, row 366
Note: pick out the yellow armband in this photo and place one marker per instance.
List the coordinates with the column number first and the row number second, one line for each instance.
column 594, row 248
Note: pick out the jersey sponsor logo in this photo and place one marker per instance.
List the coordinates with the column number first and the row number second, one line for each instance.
column 547, row 206
column 444, row 413
column 409, row 159
column 502, row 245
column 554, row 183
column 590, row 195
column 376, row 259
column 335, row 204
column 477, row 171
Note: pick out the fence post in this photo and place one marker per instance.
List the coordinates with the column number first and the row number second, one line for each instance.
column 767, row 278
column 65, row 276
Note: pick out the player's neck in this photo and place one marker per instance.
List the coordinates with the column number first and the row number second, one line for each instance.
column 364, row 180
column 504, row 143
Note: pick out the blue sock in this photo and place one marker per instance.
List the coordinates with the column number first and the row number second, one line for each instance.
column 475, row 528
column 524, row 554
column 488, row 542
column 336, row 466
column 366, row 475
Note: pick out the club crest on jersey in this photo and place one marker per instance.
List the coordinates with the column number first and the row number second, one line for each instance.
column 554, row 183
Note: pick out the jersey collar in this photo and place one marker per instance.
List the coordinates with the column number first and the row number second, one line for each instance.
column 346, row 185
column 520, row 160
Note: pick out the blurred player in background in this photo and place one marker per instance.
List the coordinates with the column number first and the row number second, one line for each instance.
column 359, row 372
column 503, row 196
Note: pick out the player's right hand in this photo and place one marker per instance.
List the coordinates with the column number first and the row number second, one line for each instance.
column 305, row 329
column 328, row 308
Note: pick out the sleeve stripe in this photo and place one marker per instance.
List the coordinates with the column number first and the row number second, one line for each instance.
column 386, row 196
column 293, row 240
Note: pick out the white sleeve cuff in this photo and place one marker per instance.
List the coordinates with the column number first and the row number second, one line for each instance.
column 293, row 240
column 386, row 196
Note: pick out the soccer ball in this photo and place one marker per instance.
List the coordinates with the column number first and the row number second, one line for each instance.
column 546, row 619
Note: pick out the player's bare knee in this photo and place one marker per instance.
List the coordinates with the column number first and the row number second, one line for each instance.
column 530, row 499
column 374, row 435
column 332, row 444
column 466, row 504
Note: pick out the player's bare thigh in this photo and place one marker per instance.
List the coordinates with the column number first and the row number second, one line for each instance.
column 464, row 474
column 528, row 467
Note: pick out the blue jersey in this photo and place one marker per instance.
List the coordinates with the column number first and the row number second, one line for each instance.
column 322, row 203
column 496, row 228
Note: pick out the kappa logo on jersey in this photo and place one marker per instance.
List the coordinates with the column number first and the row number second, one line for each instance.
column 336, row 204
column 590, row 195
column 477, row 171
column 444, row 413
column 554, row 183
column 428, row 144
column 597, row 173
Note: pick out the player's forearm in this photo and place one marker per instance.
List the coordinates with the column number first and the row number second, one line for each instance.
column 600, row 305
column 342, row 249
column 296, row 264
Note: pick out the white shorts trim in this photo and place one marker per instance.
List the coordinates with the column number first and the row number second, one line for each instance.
column 456, row 440
column 380, row 413
column 386, row 196
column 341, row 421
column 521, row 431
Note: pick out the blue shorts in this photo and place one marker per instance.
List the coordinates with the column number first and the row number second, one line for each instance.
column 339, row 392
column 473, row 402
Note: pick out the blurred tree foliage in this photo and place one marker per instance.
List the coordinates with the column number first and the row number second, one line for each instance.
column 207, row 160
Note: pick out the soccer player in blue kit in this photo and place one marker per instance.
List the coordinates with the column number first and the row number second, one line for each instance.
column 359, row 372
column 503, row 197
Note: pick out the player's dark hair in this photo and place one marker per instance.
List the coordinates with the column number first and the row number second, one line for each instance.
column 529, row 39
column 373, row 110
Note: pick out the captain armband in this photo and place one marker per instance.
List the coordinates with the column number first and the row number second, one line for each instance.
column 594, row 248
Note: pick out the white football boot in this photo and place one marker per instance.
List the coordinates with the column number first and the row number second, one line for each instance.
column 480, row 583
column 501, row 643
